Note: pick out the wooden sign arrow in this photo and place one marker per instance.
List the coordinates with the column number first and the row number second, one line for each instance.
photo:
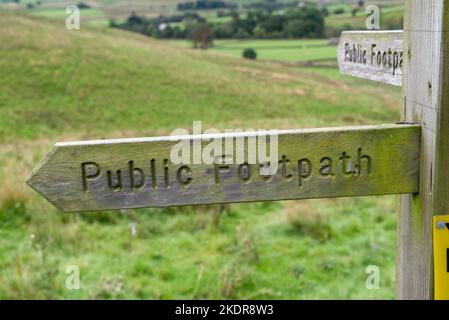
column 313, row 163
column 372, row 55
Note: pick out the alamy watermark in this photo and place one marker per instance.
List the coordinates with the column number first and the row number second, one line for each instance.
column 373, row 280
column 372, row 21
column 234, row 146
column 73, row 21
column 72, row 281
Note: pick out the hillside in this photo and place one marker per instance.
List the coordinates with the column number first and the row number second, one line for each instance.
column 57, row 81
column 92, row 83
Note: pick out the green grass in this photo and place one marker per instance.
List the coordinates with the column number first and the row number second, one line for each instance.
column 91, row 16
column 275, row 50
column 96, row 83
column 279, row 50
column 60, row 12
column 390, row 18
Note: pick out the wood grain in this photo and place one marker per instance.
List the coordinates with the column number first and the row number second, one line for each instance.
column 314, row 163
column 426, row 102
column 372, row 55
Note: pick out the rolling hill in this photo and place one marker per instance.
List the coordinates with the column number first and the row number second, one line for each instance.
column 96, row 81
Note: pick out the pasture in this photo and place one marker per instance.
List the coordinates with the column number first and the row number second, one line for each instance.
column 275, row 50
column 97, row 83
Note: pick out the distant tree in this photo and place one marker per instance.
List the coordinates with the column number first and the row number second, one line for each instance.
column 201, row 35
column 186, row 6
column 82, row 5
column 274, row 23
column 167, row 32
column 249, row 53
column 325, row 11
column 361, row 3
column 339, row 11
column 113, row 23
column 296, row 28
column 234, row 14
column 260, row 32
column 134, row 19
column 241, row 34
column 30, row 6
column 223, row 31
column 204, row 5
column 251, row 22
column 307, row 22
column 354, row 12
column 178, row 33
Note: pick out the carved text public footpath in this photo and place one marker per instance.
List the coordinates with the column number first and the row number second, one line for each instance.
column 133, row 178
column 377, row 56
column 389, row 58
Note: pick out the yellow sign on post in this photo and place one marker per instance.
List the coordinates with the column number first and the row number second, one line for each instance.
column 441, row 256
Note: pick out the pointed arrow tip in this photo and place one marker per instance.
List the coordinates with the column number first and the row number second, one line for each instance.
column 37, row 177
column 30, row 181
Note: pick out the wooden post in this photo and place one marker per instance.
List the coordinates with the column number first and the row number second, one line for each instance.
column 426, row 102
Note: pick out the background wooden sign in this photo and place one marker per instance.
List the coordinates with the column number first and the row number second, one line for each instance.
column 372, row 55
column 314, row 163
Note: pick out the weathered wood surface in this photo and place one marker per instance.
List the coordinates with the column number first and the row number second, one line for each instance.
column 372, row 55
column 426, row 101
column 313, row 163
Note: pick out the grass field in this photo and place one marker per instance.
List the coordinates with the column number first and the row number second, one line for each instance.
column 96, row 83
column 275, row 50
column 390, row 18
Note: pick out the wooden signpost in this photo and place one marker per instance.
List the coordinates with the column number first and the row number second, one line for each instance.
column 135, row 173
column 411, row 158
column 372, row 55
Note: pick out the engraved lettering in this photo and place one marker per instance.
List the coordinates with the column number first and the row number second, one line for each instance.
column 326, row 167
column 166, row 177
column 363, row 159
column 136, row 177
column 184, row 176
column 379, row 58
column 86, row 176
column 284, row 168
column 264, row 171
column 389, row 58
column 244, row 172
column 373, row 53
column 219, row 167
column 347, row 50
column 345, row 164
column 115, row 184
column 153, row 174
column 395, row 62
column 304, row 170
